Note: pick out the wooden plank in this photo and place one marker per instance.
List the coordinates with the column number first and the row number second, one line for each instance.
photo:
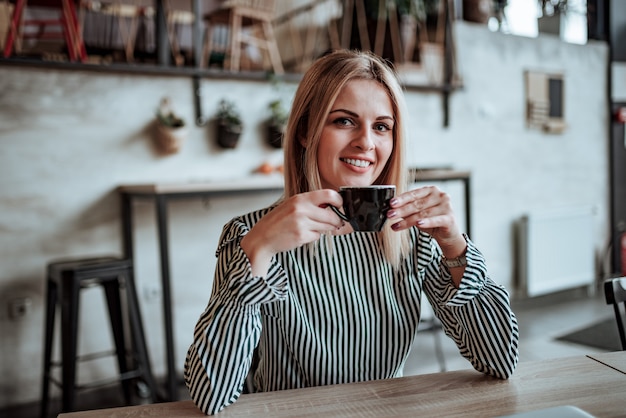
column 616, row 360
column 578, row 381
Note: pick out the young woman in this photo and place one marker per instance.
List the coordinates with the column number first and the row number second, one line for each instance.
column 322, row 304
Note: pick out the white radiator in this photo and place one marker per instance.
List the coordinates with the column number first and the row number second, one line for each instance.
column 556, row 251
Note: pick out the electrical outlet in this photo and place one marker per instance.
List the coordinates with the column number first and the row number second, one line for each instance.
column 20, row 307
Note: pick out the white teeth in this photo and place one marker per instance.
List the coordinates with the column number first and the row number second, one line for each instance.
column 358, row 163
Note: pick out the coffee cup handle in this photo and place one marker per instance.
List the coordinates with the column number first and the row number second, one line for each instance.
column 341, row 215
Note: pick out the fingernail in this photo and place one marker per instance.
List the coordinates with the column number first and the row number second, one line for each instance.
column 395, row 227
column 393, row 201
column 391, row 213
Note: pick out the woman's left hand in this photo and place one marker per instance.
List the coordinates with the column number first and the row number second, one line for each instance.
column 430, row 209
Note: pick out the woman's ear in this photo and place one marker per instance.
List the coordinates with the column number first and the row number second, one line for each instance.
column 302, row 141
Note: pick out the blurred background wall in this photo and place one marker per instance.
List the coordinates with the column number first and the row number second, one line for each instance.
column 69, row 138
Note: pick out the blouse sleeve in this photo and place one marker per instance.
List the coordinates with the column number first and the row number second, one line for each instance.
column 228, row 330
column 477, row 315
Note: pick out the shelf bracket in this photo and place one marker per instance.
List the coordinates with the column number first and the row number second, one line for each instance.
column 201, row 120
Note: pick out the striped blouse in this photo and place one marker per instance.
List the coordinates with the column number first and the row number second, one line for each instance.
column 325, row 316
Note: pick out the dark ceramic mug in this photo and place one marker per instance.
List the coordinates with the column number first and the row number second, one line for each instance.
column 365, row 207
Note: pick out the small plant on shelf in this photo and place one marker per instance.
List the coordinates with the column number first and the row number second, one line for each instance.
column 229, row 124
column 553, row 7
column 171, row 129
column 276, row 123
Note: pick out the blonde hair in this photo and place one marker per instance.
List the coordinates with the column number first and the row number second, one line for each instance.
column 313, row 100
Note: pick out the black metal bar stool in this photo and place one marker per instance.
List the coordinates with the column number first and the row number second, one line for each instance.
column 65, row 279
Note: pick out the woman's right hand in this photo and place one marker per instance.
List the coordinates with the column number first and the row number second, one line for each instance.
column 299, row 220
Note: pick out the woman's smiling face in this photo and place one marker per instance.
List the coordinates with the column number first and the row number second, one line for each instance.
column 357, row 138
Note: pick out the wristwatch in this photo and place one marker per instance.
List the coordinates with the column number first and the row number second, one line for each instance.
column 460, row 261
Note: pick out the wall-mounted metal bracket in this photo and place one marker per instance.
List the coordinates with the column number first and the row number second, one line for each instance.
column 201, row 120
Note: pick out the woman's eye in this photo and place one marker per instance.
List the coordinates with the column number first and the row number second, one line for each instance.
column 343, row 121
column 382, row 127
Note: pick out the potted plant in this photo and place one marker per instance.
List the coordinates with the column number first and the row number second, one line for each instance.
column 552, row 7
column 477, row 11
column 276, row 123
column 171, row 129
column 551, row 13
column 418, row 9
column 229, row 124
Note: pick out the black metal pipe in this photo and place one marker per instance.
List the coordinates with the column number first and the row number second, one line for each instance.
column 197, row 97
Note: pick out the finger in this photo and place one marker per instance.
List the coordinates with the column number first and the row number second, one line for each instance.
column 439, row 221
column 410, row 196
column 320, row 205
column 332, row 202
column 413, row 208
column 335, row 221
column 443, row 222
column 325, row 197
column 435, row 202
column 404, row 223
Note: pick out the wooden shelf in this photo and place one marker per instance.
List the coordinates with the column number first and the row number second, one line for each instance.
column 210, row 73
column 162, row 67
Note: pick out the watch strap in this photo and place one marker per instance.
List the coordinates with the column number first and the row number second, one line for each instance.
column 460, row 261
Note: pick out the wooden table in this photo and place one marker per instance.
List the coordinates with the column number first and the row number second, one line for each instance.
column 579, row 381
column 616, row 360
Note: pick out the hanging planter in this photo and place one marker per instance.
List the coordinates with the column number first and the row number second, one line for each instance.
column 227, row 135
column 169, row 140
column 275, row 135
column 276, row 124
column 549, row 24
column 229, row 124
column 170, row 129
column 477, row 11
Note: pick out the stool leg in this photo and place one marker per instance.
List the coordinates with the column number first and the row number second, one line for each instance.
column 272, row 48
column 208, row 46
column 14, row 27
column 69, row 340
column 438, row 349
column 138, row 336
column 112, row 290
column 51, row 302
column 235, row 41
column 68, row 33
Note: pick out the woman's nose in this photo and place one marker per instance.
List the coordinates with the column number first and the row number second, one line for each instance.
column 363, row 140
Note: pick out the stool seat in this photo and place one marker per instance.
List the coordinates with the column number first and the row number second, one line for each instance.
column 67, row 21
column 81, row 268
column 65, row 279
column 238, row 15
